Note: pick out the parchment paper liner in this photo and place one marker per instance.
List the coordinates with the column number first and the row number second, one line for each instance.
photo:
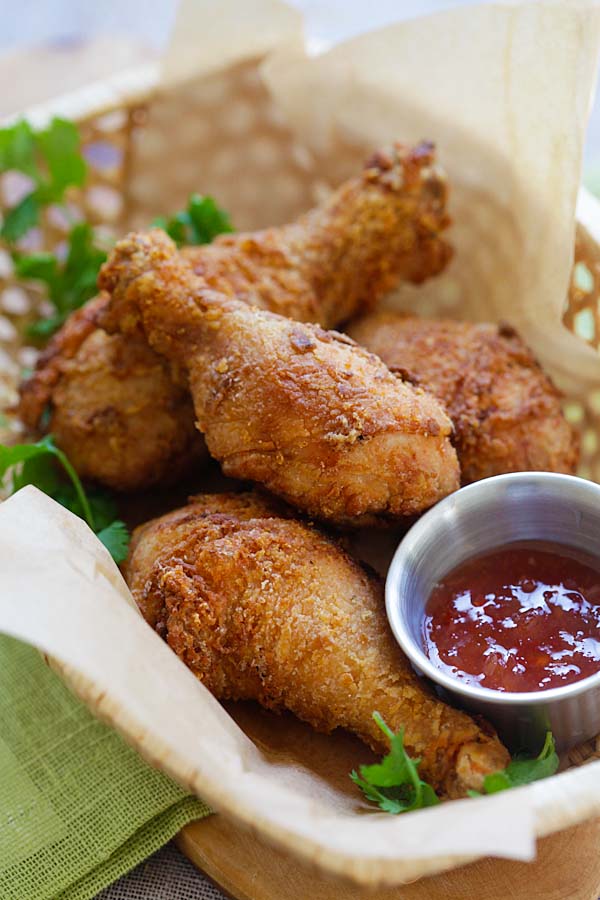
column 62, row 592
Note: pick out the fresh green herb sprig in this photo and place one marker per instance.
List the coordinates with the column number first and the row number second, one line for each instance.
column 36, row 464
column 51, row 158
column 199, row 223
column 394, row 783
column 71, row 283
column 523, row 770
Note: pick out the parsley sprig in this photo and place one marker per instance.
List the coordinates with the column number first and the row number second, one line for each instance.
column 51, row 158
column 394, row 783
column 37, row 464
column 71, row 283
column 199, row 223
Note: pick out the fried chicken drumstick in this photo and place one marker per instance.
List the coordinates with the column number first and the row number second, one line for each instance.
column 305, row 412
column 263, row 607
column 338, row 259
column 506, row 412
column 115, row 409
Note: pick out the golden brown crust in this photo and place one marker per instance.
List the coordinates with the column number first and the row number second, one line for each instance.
column 36, row 392
column 120, row 418
column 112, row 406
column 378, row 228
column 266, row 608
column 506, row 412
column 243, row 505
column 305, row 412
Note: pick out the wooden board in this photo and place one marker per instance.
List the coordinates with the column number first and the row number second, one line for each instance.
column 567, row 868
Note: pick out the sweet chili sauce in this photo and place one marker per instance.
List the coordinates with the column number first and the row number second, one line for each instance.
column 525, row 617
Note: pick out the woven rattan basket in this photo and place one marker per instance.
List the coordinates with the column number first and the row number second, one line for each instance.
column 141, row 165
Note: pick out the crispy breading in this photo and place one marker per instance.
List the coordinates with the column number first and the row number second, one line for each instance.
column 267, row 608
column 303, row 411
column 36, row 392
column 113, row 406
column 376, row 229
column 506, row 412
column 153, row 415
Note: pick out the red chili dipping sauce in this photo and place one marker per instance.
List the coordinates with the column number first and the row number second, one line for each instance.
column 522, row 618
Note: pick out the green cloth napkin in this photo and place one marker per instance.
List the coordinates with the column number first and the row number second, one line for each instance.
column 78, row 807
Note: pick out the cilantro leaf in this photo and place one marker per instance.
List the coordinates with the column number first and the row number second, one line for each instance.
column 175, row 226
column 59, row 146
column 69, row 284
column 394, row 783
column 115, row 538
column 80, row 273
column 199, row 223
column 26, row 453
column 37, row 266
column 104, row 508
column 21, row 453
column 101, row 503
column 51, row 158
column 45, row 328
column 523, row 770
column 207, row 220
column 17, row 149
column 40, row 470
column 40, row 464
column 21, row 218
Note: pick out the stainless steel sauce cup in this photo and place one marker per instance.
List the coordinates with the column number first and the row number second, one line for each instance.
column 528, row 506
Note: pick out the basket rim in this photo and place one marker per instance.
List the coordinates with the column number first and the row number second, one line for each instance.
column 125, row 88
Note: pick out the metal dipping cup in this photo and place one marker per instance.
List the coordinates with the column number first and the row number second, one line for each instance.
column 527, row 506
